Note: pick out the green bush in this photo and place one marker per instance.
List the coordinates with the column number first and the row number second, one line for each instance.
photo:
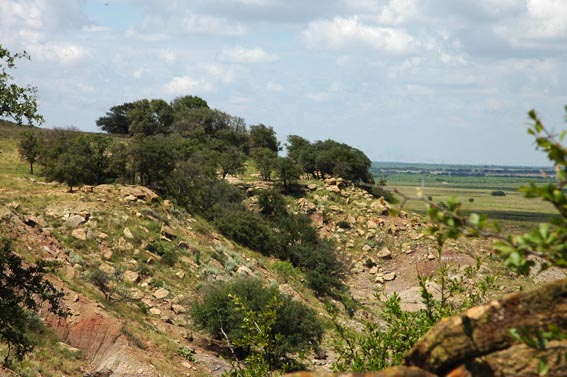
column 498, row 193
column 296, row 327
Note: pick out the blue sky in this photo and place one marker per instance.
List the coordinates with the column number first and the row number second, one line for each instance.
column 439, row 81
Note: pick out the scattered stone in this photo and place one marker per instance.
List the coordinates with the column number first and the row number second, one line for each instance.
column 68, row 348
column 312, row 186
column 14, row 205
column 178, row 309
column 366, row 248
column 331, row 181
column 91, row 234
column 335, row 208
column 106, row 268
column 431, row 257
column 180, row 274
column 134, row 293
column 101, row 236
column 107, row 254
column 130, row 276
column 371, row 224
column 379, row 279
column 161, row 293
column 167, row 203
column 155, row 311
column 124, row 245
column 130, row 198
column 384, row 253
column 335, row 189
column 128, row 233
column 373, row 270
column 389, row 276
column 167, row 232
column 80, row 234
column 244, row 270
column 75, row 221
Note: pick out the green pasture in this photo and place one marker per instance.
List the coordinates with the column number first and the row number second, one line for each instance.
column 475, row 194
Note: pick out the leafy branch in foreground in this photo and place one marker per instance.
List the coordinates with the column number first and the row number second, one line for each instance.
column 22, row 290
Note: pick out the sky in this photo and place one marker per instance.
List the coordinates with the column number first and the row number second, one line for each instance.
column 438, row 81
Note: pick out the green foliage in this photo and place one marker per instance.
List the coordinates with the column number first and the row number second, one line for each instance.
column 154, row 159
column 29, row 147
column 265, row 161
column 326, row 158
column 288, row 172
column 22, row 290
column 262, row 136
column 257, row 321
column 16, row 102
column 498, row 193
column 116, row 120
column 150, row 117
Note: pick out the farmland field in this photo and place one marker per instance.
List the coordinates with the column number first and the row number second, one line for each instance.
column 471, row 185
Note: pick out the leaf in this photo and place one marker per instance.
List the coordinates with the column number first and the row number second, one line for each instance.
column 542, row 366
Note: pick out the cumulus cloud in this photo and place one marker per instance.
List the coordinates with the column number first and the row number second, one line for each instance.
column 58, row 52
column 171, row 24
column 34, row 20
column 180, row 85
column 247, row 56
column 350, row 34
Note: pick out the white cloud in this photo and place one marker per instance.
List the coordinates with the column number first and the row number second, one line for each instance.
column 247, row 56
column 398, row 12
column 273, row 86
column 349, row 34
column 173, row 24
column 34, row 20
column 549, row 17
column 536, row 22
column 325, row 95
column 220, row 73
column 58, row 52
column 180, row 85
column 167, row 56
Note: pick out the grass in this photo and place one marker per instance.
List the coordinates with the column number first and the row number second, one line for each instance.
column 514, row 206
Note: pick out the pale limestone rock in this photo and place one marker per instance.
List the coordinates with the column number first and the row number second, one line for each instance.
column 106, row 268
column 180, row 274
column 366, row 248
column 389, row 276
column 384, row 253
column 178, row 309
column 128, row 233
column 161, row 293
column 79, row 233
column 75, row 221
column 155, row 311
column 130, row 276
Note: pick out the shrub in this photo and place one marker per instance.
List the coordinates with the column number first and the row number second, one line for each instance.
column 295, row 329
column 498, row 193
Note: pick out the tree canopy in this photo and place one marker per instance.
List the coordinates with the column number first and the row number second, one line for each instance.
column 16, row 102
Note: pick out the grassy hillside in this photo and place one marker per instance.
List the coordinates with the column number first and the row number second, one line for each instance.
column 162, row 255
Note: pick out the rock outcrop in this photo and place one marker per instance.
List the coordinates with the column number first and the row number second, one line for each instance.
column 478, row 342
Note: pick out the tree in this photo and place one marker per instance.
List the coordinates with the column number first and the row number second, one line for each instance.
column 288, row 172
column 231, row 161
column 22, row 290
column 184, row 103
column 116, row 120
column 150, row 117
column 263, row 137
column 16, row 102
column 29, row 147
column 66, row 157
column 154, row 159
column 265, row 161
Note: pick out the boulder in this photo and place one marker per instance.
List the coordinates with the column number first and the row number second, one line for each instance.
column 80, row 234
column 130, row 276
column 479, row 343
column 384, row 253
column 75, row 221
column 161, row 293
